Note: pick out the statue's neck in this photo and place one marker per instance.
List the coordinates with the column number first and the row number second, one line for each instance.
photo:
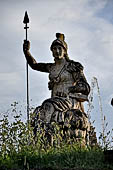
column 60, row 62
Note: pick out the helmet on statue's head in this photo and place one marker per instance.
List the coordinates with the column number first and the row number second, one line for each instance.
column 59, row 41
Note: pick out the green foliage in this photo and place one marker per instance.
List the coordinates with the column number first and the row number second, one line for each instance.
column 20, row 150
column 105, row 138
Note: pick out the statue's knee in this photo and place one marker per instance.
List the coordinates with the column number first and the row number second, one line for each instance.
column 48, row 107
column 47, row 111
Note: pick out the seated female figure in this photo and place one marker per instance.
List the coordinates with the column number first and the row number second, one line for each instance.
column 68, row 85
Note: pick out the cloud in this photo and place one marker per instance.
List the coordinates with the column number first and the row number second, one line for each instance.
column 87, row 25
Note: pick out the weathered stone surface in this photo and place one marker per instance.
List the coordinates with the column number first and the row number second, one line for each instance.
column 69, row 89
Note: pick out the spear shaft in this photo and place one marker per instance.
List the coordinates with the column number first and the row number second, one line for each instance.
column 25, row 21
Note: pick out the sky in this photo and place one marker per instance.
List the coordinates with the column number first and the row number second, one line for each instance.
column 88, row 29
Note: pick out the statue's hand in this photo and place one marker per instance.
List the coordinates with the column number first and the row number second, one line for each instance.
column 26, row 46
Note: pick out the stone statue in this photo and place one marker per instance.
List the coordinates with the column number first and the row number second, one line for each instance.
column 68, row 85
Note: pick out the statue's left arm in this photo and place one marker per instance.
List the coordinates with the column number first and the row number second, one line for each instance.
column 81, row 85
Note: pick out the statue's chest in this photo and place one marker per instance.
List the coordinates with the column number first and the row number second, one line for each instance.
column 60, row 74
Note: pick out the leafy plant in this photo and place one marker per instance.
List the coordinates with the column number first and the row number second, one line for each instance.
column 20, row 149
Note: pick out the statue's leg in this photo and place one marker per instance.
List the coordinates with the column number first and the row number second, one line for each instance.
column 46, row 112
column 42, row 119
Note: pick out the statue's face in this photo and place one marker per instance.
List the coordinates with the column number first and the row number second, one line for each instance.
column 58, row 52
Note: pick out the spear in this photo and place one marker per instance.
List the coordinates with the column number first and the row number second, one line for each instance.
column 25, row 21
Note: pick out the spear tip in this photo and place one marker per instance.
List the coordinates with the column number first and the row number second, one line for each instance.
column 26, row 18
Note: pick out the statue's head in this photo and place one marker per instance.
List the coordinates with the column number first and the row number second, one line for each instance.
column 59, row 41
column 59, row 44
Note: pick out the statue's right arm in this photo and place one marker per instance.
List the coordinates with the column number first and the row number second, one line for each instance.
column 43, row 67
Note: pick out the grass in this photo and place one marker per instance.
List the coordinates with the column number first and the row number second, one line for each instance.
column 17, row 152
column 67, row 156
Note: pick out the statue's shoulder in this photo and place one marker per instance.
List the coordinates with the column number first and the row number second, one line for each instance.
column 74, row 66
column 50, row 66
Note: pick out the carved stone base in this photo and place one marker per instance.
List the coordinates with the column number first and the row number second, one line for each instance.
column 75, row 127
